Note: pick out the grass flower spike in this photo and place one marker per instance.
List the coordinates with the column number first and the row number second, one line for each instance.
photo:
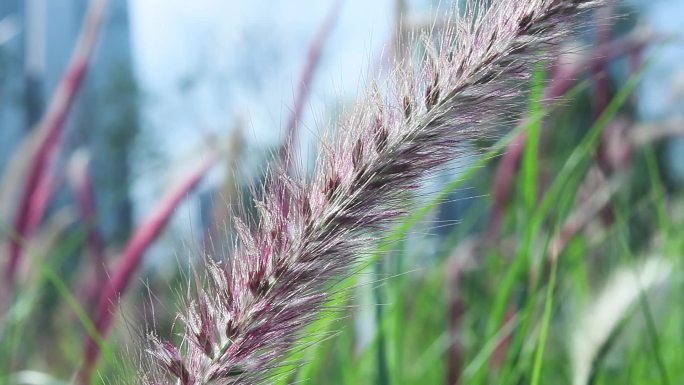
column 311, row 232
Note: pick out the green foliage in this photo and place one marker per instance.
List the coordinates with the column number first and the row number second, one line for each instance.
column 513, row 276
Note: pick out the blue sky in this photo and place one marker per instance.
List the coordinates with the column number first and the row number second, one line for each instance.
column 243, row 58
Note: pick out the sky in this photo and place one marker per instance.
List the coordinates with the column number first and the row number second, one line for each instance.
column 206, row 63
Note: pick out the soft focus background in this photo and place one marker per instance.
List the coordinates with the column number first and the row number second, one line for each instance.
column 552, row 256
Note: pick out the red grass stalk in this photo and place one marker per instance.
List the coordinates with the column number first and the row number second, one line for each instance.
column 130, row 259
column 600, row 82
column 50, row 128
column 600, row 97
column 456, row 267
column 312, row 60
column 42, row 194
column 503, row 180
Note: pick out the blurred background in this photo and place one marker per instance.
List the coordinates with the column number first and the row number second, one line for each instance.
column 126, row 145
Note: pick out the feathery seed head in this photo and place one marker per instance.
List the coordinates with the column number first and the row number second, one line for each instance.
column 310, row 232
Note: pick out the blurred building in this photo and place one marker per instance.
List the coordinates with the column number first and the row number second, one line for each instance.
column 105, row 117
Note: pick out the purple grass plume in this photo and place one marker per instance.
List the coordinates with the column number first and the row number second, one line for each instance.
column 311, row 232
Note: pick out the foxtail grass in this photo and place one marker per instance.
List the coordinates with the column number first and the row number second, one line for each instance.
column 311, row 232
